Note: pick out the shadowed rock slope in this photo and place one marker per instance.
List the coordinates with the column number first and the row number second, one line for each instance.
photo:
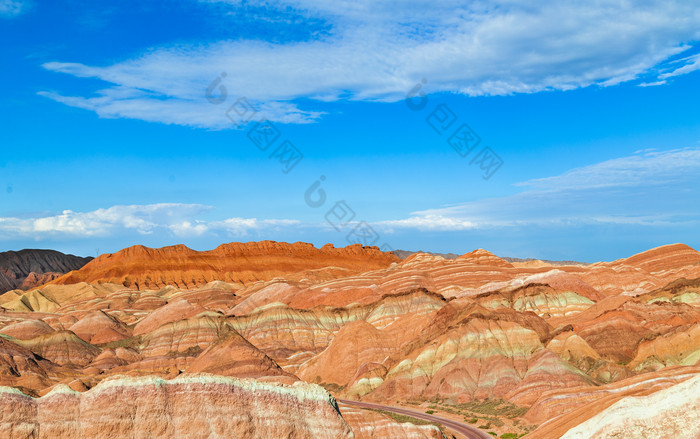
column 29, row 268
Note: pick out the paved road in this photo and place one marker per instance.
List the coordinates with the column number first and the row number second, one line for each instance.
column 465, row 429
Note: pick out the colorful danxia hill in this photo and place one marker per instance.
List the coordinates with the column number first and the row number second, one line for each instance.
column 277, row 340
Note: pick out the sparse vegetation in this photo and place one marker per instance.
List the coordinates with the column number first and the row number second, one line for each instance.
column 494, row 407
column 430, row 412
column 509, row 436
column 404, row 418
column 192, row 351
column 129, row 342
column 332, row 387
column 497, row 422
column 489, row 414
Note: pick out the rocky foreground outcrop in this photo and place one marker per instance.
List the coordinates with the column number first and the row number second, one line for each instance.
column 670, row 413
column 193, row 406
column 558, row 411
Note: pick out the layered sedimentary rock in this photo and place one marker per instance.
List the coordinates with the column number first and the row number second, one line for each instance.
column 672, row 412
column 542, row 299
column 482, row 273
column 195, row 406
column 617, row 333
column 19, row 367
column 553, row 339
column 26, row 329
column 360, row 347
column 26, row 269
column 62, row 347
column 677, row 347
column 49, row 298
column 97, row 327
column 140, row 267
column 679, row 291
column 560, row 410
column 233, row 355
column 481, row 357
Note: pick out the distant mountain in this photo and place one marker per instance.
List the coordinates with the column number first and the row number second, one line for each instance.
column 403, row 254
column 546, row 261
column 29, row 268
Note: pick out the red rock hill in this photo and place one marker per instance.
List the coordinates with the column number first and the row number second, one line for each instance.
column 140, row 267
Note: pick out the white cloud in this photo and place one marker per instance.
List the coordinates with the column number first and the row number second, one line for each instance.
column 179, row 219
column 189, row 228
column 12, row 8
column 645, row 167
column 378, row 50
column 652, row 84
column 429, row 222
column 241, row 226
column 692, row 63
column 648, row 188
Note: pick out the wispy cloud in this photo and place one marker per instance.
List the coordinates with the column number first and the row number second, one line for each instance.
column 12, row 8
column 178, row 219
column 376, row 51
column 652, row 84
column 649, row 188
column 429, row 222
column 690, row 64
column 644, row 168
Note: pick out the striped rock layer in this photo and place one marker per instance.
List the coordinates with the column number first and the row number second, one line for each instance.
column 545, row 338
column 195, row 406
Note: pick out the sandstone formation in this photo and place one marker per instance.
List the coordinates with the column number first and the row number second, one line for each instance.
column 141, row 267
column 672, row 412
column 561, row 342
column 558, row 411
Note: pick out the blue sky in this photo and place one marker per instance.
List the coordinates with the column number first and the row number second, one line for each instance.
column 110, row 138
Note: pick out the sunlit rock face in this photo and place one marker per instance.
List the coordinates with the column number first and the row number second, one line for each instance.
column 192, row 406
column 141, row 267
column 672, row 412
column 561, row 410
column 26, row 329
column 97, row 327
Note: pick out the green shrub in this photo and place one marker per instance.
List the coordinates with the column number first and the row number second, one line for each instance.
column 509, row 436
column 430, row 412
